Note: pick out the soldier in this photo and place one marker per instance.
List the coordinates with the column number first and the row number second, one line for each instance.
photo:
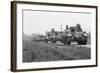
column 52, row 30
column 66, row 26
column 72, row 28
column 78, row 28
column 67, row 29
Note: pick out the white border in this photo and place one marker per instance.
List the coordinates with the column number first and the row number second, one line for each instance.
column 21, row 65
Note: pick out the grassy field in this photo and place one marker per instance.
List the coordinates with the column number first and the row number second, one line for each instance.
column 40, row 51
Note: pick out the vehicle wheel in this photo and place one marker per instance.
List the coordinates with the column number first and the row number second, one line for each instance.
column 79, row 43
column 82, row 42
column 53, row 41
column 67, row 40
column 67, row 43
column 46, row 41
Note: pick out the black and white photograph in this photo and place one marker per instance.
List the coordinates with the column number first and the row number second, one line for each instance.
column 53, row 36
column 56, row 35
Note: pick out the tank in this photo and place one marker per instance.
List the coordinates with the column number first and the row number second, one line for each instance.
column 70, row 34
column 64, row 37
column 78, row 35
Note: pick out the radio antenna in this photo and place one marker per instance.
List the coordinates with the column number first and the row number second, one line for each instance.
column 61, row 27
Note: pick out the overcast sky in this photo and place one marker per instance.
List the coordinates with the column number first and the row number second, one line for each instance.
column 39, row 22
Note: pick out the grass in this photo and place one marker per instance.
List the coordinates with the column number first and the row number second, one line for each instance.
column 40, row 51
